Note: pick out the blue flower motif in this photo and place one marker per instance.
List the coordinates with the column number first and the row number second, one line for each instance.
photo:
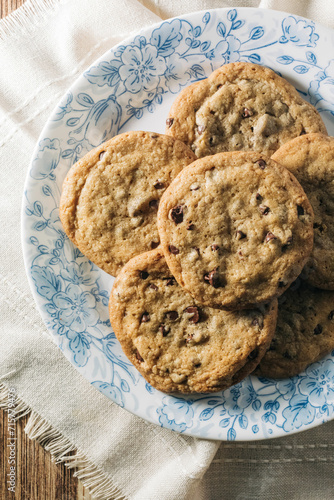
column 176, row 413
column 76, row 308
column 300, row 32
column 141, row 68
column 110, row 390
column 318, row 384
column 321, row 90
column 298, row 413
column 286, row 387
column 80, row 274
column 226, row 50
column 48, row 156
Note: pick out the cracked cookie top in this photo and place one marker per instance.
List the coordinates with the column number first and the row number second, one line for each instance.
column 177, row 344
column 110, row 197
column 236, row 229
column 240, row 107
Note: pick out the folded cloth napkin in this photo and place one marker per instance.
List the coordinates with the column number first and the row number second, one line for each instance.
column 44, row 46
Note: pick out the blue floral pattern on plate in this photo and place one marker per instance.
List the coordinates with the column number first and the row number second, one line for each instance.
column 132, row 87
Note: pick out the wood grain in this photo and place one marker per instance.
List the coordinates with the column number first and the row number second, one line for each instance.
column 36, row 476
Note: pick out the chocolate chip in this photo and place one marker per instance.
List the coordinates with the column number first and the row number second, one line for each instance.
column 262, row 164
column 258, row 197
column 143, row 275
column 213, row 278
column 169, row 122
column 270, row 236
column 331, row 315
column 195, row 313
column 211, row 141
column 215, row 247
column 254, row 354
column 319, row 226
column 303, row 132
column 287, row 355
column 159, row 185
column 145, row 318
column 194, row 188
column 173, row 249
column 164, row 330
column 247, row 113
column 218, row 86
column 288, row 243
column 318, row 329
column 264, row 209
column 154, row 136
column 138, row 356
column 300, row 210
column 170, row 282
column 190, row 226
column 153, row 286
column 101, row 155
column 200, row 129
column 154, row 204
column 197, row 250
column 176, row 214
column 281, row 284
column 172, row 315
column 197, row 365
column 240, row 235
column 154, row 244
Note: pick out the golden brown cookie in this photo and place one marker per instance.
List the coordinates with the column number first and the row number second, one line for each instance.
column 236, row 229
column 241, row 106
column 110, row 197
column 304, row 332
column 177, row 344
column 311, row 160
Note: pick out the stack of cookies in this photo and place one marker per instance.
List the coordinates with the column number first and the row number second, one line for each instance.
column 219, row 233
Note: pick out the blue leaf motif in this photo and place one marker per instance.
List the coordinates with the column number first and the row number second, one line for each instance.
column 47, row 190
column 72, row 122
column 149, row 388
column 38, row 209
column 125, row 386
column 79, row 345
column 298, row 414
column 237, row 25
column 40, row 226
column 84, row 100
column 231, row 435
column 221, row 29
column 188, row 41
column 206, row 414
column 43, row 249
column 197, row 71
column 231, row 15
column 197, row 31
column 68, row 153
column 301, row 69
column 48, row 284
column 285, row 60
column 255, row 429
column 256, row 33
column 311, row 57
column 205, row 46
column 167, row 37
column 34, row 241
column 254, row 58
column 206, row 18
column 224, row 423
column 105, row 73
column 213, row 402
column 243, row 421
column 256, row 405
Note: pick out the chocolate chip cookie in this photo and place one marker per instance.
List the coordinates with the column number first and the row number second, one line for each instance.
column 311, row 160
column 304, row 332
column 241, row 106
column 177, row 344
column 110, row 197
column 236, row 229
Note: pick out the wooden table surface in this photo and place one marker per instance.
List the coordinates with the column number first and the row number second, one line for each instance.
column 37, row 477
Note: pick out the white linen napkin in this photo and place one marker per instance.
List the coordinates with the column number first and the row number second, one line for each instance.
column 44, row 46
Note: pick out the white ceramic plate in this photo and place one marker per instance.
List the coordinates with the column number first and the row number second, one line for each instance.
column 132, row 87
